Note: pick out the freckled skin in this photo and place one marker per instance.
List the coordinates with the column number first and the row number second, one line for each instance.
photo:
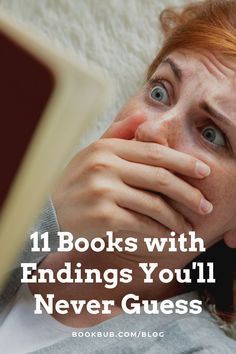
column 211, row 77
column 177, row 125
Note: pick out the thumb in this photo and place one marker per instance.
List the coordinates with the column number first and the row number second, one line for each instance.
column 124, row 129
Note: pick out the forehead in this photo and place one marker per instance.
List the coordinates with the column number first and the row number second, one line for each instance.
column 216, row 65
column 209, row 73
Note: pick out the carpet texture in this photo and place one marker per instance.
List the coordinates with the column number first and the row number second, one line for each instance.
column 121, row 36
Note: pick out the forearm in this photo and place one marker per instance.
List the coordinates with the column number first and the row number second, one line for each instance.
column 46, row 222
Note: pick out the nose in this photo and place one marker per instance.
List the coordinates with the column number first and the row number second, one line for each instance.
column 161, row 131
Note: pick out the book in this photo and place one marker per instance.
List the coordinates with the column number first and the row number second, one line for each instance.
column 48, row 101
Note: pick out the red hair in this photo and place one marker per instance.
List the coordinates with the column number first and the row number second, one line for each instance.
column 211, row 25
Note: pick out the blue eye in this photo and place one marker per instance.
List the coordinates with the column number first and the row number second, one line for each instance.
column 214, row 136
column 160, row 94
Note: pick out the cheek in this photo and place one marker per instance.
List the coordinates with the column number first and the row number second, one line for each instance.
column 219, row 189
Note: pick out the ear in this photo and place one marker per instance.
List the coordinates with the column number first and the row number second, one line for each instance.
column 230, row 238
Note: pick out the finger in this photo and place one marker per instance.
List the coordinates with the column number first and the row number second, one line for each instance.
column 160, row 180
column 124, row 129
column 134, row 222
column 153, row 206
column 160, row 156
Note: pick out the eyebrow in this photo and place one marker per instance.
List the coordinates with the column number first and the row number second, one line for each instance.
column 175, row 68
column 204, row 105
column 216, row 114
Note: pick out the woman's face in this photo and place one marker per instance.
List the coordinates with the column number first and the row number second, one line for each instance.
column 190, row 105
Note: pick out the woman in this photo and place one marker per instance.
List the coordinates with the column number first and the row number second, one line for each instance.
column 178, row 82
column 168, row 162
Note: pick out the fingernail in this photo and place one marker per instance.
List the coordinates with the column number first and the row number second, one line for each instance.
column 206, row 207
column 202, row 169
